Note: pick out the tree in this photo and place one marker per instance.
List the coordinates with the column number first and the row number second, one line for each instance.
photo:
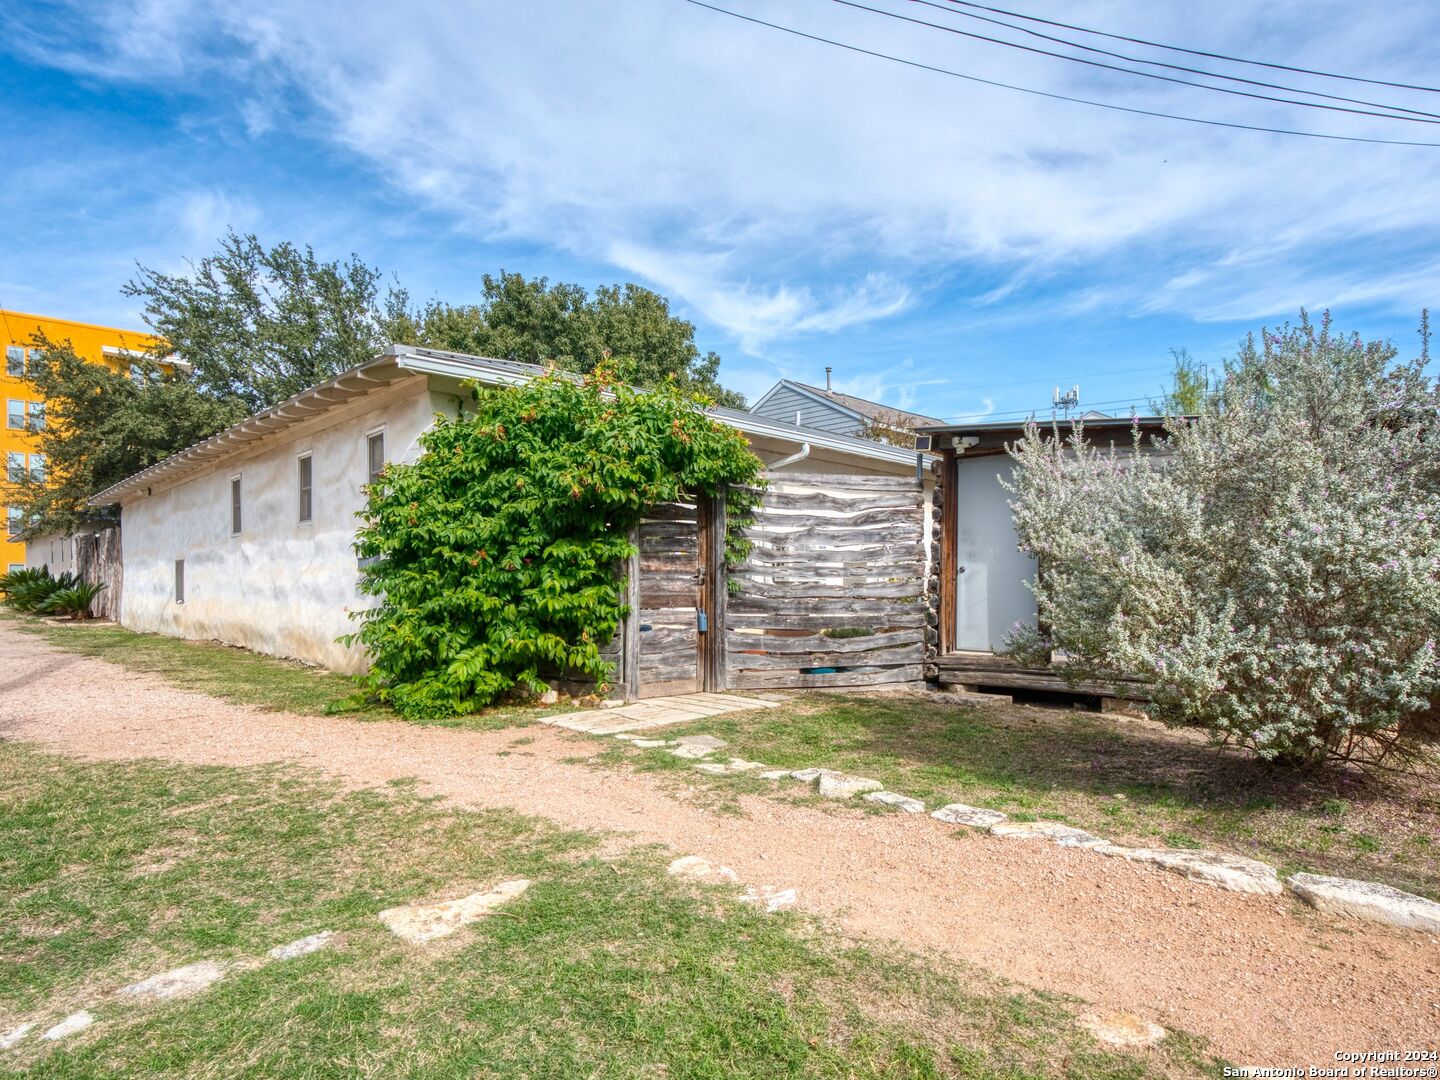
column 1189, row 386
column 493, row 556
column 1273, row 576
column 259, row 325
column 627, row 328
column 102, row 426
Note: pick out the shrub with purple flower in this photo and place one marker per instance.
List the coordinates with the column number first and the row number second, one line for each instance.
column 1270, row 567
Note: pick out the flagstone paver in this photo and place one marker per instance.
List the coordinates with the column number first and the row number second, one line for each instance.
column 76, row 1021
column 421, row 923
column 656, row 712
column 178, row 983
column 303, row 947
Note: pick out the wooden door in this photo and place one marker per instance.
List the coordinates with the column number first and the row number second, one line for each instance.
column 670, row 600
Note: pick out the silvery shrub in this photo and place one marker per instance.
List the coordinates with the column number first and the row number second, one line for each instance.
column 1271, row 566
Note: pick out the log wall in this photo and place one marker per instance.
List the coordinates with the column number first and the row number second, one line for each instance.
column 833, row 592
column 97, row 560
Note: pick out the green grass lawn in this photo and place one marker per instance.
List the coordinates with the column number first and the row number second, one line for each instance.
column 239, row 675
column 605, row 968
column 1133, row 783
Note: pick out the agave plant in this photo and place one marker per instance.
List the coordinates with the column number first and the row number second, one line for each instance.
column 74, row 601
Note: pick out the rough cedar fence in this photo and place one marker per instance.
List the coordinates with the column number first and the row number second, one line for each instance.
column 97, row 560
column 833, row 591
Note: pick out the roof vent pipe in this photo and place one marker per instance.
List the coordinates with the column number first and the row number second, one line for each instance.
column 827, row 378
column 799, row 455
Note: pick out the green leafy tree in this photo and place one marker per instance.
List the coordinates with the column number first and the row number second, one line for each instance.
column 1272, row 576
column 102, row 426
column 626, row 328
column 259, row 325
column 494, row 556
column 1189, row 387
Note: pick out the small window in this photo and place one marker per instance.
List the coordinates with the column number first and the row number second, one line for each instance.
column 15, row 520
column 375, row 456
column 235, row 521
column 15, row 415
column 37, row 468
column 17, row 566
column 15, row 361
column 15, row 467
column 179, row 581
column 36, row 421
column 306, row 500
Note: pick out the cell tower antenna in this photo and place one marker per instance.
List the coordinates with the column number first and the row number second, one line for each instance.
column 1070, row 399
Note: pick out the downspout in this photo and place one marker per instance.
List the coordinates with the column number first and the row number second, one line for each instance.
column 799, row 455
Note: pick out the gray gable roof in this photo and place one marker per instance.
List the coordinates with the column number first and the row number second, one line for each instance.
column 859, row 409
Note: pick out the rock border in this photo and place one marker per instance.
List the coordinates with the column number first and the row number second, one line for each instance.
column 1368, row 901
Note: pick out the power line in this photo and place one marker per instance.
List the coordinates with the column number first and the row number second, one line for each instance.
column 1054, row 96
column 1021, row 413
column 1149, row 369
column 951, row 10
column 1129, row 71
column 1196, row 52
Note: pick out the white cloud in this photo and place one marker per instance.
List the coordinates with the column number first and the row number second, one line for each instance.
column 757, row 314
column 781, row 188
column 201, row 218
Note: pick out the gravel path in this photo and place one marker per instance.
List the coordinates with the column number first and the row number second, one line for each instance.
column 1268, row 981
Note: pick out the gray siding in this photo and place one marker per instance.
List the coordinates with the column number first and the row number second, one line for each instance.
column 787, row 401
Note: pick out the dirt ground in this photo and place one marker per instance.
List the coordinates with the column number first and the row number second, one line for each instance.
column 1268, row 981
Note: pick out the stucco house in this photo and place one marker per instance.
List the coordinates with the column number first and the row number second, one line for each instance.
column 247, row 537
column 829, row 410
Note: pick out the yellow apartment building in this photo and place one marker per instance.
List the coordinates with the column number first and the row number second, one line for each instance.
column 25, row 413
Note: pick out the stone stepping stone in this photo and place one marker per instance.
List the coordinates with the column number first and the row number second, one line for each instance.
column 1233, row 872
column 1123, row 1029
column 303, row 946
column 974, row 816
column 179, row 982
column 840, row 786
column 650, row 744
column 75, row 1022
column 708, row 742
column 691, row 753
column 1367, row 900
column 734, row 765
column 775, row 774
column 900, row 802
column 770, row 897
column 809, row 776
column 701, row 869
column 15, row 1034
column 421, row 923
column 1053, row 831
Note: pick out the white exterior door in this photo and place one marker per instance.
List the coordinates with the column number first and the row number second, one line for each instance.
column 991, row 591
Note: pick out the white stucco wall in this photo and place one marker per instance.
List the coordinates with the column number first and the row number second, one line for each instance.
column 280, row 586
column 286, row 588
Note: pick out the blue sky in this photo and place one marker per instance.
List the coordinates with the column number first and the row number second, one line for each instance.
column 948, row 247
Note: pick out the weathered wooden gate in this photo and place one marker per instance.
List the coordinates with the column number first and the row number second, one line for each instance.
column 832, row 592
column 673, row 584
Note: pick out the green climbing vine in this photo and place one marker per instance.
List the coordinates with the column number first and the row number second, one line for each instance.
column 494, row 556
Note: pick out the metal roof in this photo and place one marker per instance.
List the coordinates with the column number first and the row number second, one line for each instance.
column 986, row 427
column 403, row 361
